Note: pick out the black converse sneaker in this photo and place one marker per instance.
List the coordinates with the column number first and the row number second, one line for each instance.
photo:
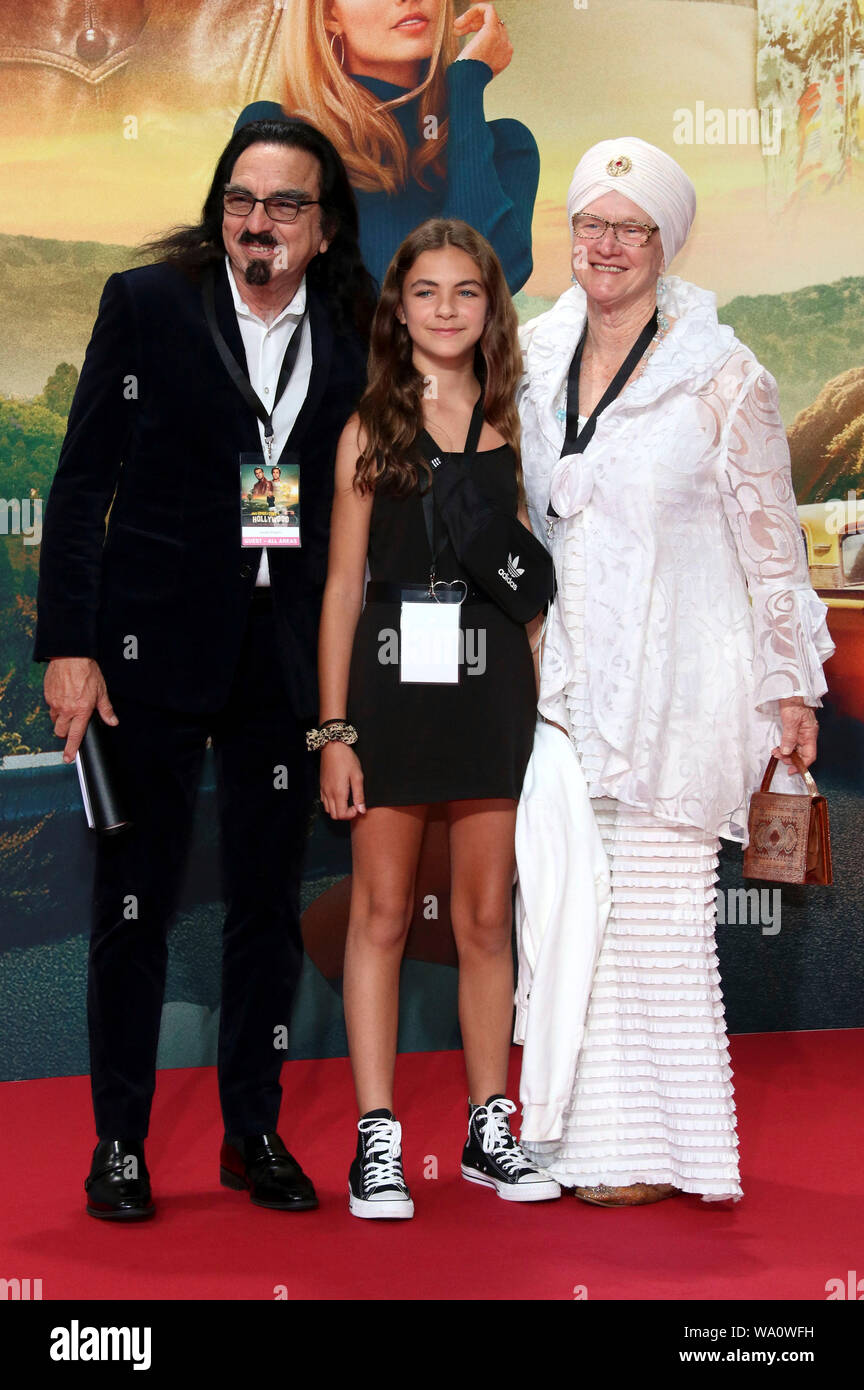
column 376, row 1185
column 492, row 1156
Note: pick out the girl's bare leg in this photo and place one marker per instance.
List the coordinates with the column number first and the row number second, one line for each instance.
column 482, row 862
column 385, row 844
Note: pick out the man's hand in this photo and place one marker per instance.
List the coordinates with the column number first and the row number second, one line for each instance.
column 74, row 687
column 799, row 732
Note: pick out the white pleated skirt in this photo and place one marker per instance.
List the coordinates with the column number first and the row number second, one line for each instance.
column 652, row 1099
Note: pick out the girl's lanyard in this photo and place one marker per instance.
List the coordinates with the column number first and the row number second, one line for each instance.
column 576, row 440
column 433, row 455
column 430, row 636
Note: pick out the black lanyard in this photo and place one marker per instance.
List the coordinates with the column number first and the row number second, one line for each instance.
column 576, row 440
column 236, row 372
column 433, row 455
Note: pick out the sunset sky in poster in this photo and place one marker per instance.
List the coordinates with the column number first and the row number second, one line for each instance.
column 578, row 75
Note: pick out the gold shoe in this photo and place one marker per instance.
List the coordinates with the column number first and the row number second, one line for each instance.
column 640, row 1194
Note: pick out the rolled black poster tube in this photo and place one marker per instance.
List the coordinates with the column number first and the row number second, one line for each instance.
column 100, row 789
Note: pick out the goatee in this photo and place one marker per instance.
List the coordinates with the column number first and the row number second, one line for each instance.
column 257, row 272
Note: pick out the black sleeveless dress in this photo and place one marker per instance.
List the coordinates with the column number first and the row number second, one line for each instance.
column 421, row 744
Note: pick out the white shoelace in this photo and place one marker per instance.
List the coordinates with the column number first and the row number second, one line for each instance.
column 497, row 1138
column 382, row 1152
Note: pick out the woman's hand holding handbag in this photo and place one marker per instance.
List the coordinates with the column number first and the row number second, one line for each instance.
column 789, row 838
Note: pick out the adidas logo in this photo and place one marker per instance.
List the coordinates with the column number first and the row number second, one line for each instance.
column 512, row 572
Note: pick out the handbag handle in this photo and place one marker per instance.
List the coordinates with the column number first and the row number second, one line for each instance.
column 799, row 768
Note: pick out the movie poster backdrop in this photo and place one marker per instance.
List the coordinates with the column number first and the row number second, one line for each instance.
column 112, row 114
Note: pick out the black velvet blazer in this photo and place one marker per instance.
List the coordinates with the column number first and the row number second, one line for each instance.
column 153, row 440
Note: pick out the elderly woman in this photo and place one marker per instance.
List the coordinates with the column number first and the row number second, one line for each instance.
column 685, row 644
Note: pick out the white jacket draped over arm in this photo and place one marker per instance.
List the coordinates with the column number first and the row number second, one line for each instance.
column 563, row 898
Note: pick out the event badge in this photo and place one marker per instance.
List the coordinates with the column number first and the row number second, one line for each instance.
column 269, row 502
column 429, row 643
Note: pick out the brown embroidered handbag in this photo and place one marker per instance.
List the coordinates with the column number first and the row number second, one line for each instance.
column 789, row 839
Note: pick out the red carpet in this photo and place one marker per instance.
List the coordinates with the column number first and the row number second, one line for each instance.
column 800, row 1223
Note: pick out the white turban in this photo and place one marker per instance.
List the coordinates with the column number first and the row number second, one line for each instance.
column 648, row 177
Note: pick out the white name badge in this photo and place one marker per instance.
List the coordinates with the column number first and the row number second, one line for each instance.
column 429, row 643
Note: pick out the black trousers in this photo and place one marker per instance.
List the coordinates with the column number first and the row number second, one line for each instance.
column 264, row 793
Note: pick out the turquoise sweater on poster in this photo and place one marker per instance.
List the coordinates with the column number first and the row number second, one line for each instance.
column 493, row 168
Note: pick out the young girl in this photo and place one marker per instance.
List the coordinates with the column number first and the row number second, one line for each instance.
column 444, row 325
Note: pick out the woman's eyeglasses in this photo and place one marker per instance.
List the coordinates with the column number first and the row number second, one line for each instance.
column 590, row 228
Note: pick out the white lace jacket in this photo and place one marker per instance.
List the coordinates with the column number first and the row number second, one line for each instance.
column 699, row 614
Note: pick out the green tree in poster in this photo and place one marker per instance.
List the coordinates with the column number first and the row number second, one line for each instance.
column 60, row 388
column 30, row 438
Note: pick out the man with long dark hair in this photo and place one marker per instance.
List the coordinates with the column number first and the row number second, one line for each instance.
column 244, row 344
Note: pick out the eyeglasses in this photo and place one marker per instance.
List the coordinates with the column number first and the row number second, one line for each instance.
column 277, row 208
column 590, row 228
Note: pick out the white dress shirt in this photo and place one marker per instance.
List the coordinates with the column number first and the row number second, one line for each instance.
column 265, row 345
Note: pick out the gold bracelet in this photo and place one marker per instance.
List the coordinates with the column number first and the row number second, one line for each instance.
column 334, row 731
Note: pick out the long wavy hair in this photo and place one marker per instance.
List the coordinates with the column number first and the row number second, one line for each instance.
column 391, row 409
column 339, row 274
column 364, row 130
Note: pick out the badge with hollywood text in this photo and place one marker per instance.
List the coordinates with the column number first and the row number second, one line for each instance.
column 269, row 502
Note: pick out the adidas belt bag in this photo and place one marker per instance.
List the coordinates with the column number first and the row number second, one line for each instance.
column 501, row 555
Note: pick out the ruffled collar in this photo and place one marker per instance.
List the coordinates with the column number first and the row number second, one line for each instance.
column 693, row 349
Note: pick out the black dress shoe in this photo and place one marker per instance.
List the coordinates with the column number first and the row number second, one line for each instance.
column 262, row 1165
column 118, row 1188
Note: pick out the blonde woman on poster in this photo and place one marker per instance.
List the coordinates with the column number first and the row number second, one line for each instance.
column 684, row 645
column 385, row 81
